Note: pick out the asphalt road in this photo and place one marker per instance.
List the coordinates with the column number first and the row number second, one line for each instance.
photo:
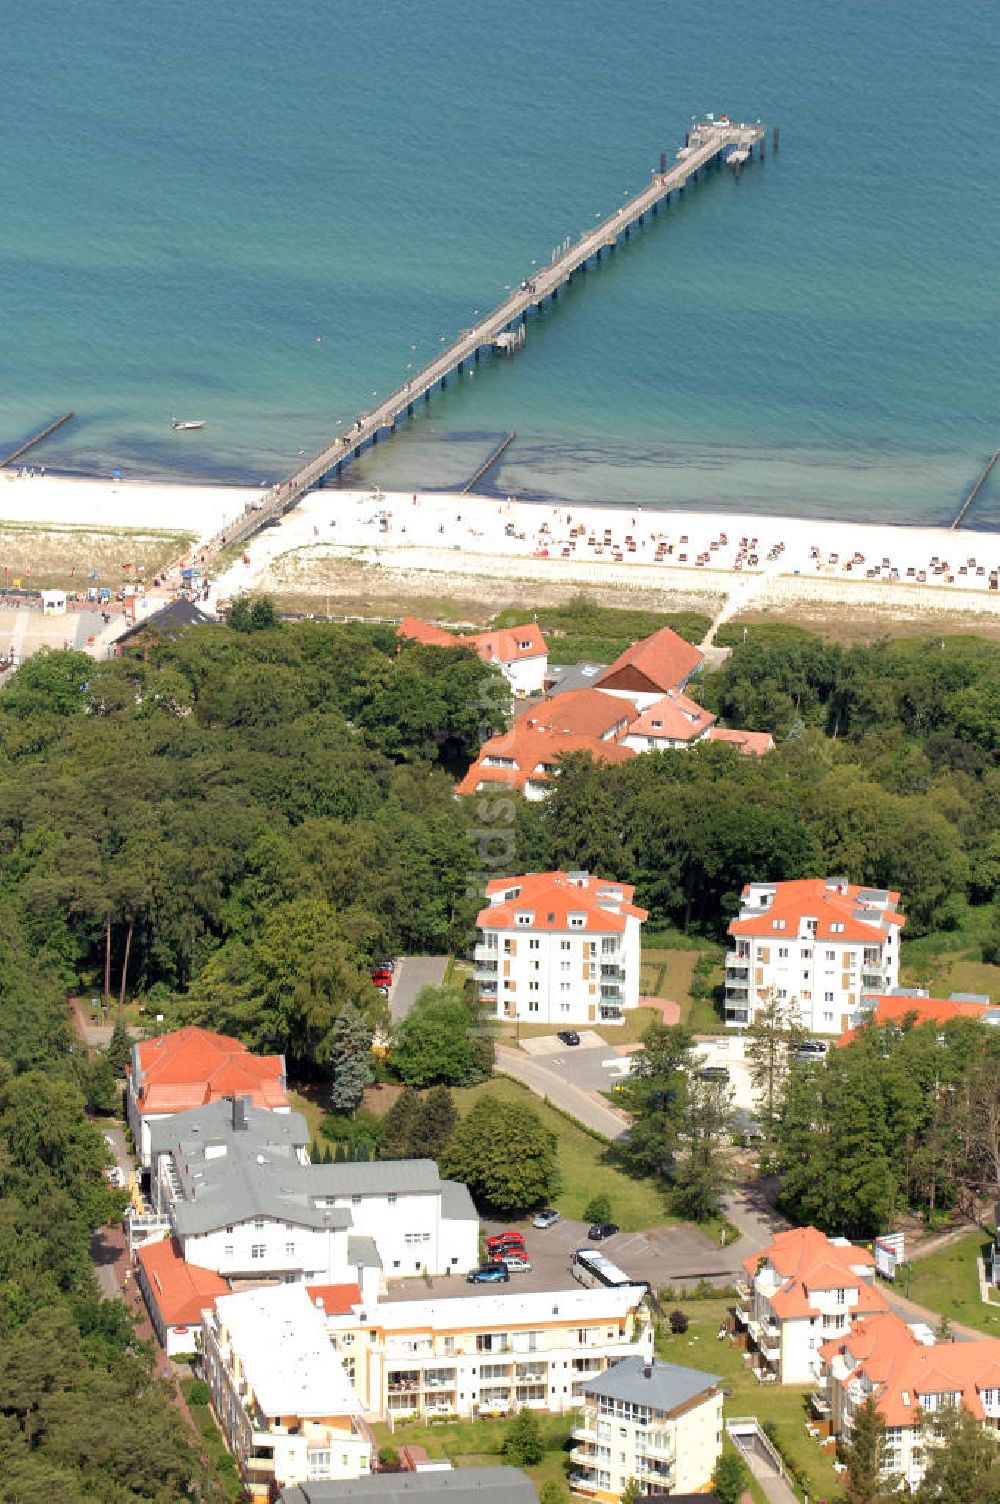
column 412, row 973
column 546, row 1081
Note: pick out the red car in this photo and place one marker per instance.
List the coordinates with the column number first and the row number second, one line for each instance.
column 382, row 978
column 503, row 1240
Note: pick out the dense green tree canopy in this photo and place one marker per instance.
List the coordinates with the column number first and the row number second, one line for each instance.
column 505, row 1155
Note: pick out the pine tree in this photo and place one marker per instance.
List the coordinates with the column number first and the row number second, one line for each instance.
column 351, row 1060
column 119, row 1050
column 863, row 1455
column 433, row 1124
column 399, row 1126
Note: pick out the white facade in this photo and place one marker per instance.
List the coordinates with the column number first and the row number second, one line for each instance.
column 280, row 1393
column 664, row 1446
column 488, row 1354
column 818, row 950
column 561, row 949
column 237, row 1189
column 805, row 1289
column 526, row 676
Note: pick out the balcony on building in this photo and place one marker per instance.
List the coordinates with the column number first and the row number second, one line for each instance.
column 404, row 1381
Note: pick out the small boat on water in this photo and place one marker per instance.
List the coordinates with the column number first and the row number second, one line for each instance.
column 179, row 423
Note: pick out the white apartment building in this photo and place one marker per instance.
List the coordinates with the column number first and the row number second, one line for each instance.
column 559, row 948
column 235, row 1187
column 488, row 1354
column 818, row 945
column 655, row 1422
column 279, row 1390
column 913, row 1378
column 803, row 1290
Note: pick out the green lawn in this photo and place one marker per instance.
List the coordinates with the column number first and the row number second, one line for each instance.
column 784, row 1406
column 947, row 961
column 583, row 1163
column 478, row 1443
column 582, row 630
column 946, row 1282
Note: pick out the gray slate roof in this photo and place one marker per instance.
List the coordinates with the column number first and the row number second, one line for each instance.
column 456, row 1203
column 363, row 1251
column 666, row 1388
column 566, row 676
column 473, row 1485
column 259, row 1174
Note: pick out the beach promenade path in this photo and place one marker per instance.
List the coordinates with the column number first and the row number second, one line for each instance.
column 707, row 143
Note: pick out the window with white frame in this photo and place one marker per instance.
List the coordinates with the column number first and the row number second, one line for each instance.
column 258, row 1250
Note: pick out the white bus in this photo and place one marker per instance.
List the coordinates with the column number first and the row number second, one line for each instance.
column 591, row 1268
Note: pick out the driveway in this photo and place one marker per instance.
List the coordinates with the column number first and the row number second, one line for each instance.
column 595, row 1068
column 545, row 1079
column 412, row 973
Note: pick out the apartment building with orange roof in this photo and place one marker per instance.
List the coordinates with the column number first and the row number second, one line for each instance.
column 526, row 758
column 175, row 1293
column 747, row 743
column 559, row 948
column 817, row 945
column 519, row 652
column 801, row 1291
column 652, row 666
column 913, row 1378
column 192, row 1067
column 908, row 1005
column 674, row 720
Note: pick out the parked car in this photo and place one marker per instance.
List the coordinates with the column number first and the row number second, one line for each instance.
column 812, row 1047
column 568, row 1036
column 490, row 1274
column 382, row 977
column 387, row 965
column 516, row 1263
column 505, row 1239
column 601, row 1230
column 714, row 1073
column 547, row 1218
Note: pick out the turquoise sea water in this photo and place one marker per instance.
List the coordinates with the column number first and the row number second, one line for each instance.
column 196, row 191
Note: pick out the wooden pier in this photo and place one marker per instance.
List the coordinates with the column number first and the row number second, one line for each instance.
column 36, row 438
column 707, row 144
column 980, row 483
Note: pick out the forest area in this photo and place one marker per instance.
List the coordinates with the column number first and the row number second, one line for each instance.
column 232, row 826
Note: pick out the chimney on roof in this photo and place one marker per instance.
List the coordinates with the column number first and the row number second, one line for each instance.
column 240, row 1106
column 647, row 1370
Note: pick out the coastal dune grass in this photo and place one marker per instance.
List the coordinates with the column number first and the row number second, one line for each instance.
column 63, row 556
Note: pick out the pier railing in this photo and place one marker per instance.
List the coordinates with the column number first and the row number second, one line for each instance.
column 706, row 143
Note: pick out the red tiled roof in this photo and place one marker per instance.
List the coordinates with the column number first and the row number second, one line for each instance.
column 193, row 1066
column 534, row 754
column 807, row 1254
column 338, row 1300
column 664, row 660
column 674, row 718
column 581, row 712
column 903, row 1371
column 179, row 1290
column 501, row 645
column 813, row 898
column 749, row 743
column 551, row 897
column 889, row 1009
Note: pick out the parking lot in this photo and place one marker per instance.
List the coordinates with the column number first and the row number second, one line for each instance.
column 663, row 1256
column 590, row 1066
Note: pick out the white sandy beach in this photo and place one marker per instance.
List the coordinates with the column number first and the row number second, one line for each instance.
column 741, row 558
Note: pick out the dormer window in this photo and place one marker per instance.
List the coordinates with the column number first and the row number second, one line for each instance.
column 777, row 924
column 836, row 929
column 523, row 919
column 577, row 921
column 524, row 646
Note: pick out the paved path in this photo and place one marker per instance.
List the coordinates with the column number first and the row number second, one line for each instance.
column 412, row 973
column 587, row 1107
